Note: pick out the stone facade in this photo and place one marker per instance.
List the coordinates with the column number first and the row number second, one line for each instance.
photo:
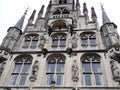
column 62, row 50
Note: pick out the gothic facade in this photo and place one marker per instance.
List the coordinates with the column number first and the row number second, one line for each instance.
column 63, row 50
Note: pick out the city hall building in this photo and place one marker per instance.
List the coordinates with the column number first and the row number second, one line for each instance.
column 61, row 50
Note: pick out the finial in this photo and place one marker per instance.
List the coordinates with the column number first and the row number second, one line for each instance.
column 26, row 10
column 84, row 7
column 102, row 8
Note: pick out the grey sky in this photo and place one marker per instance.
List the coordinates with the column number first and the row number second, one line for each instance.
column 12, row 10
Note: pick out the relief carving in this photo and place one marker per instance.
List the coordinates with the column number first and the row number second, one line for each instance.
column 35, row 69
column 115, row 70
column 2, row 66
column 75, row 71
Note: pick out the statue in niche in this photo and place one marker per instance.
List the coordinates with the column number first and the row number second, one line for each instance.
column 75, row 71
column 35, row 68
column 74, row 41
column 42, row 41
column 115, row 70
column 2, row 66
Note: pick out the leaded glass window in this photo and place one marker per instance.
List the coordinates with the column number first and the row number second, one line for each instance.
column 55, row 70
column 21, row 70
column 92, row 73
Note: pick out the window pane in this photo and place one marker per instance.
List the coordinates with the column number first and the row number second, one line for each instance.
column 85, row 47
column 22, row 80
column 87, row 80
column 13, row 80
column 59, row 79
column 26, row 68
column 86, row 67
column 51, row 68
column 54, row 48
column 27, row 42
column 62, row 41
column 49, row 79
column 55, row 41
column 92, row 41
column 34, row 43
column 17, row 68
column 98, row 79
column 60, row 68
column 84, row 41
column 96, row 67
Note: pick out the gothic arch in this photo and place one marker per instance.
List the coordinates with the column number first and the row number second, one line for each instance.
column 23, row 56
column 55, row 56
column 88, row 55
column 59, row 24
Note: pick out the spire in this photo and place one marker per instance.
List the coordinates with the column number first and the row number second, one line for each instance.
column 77, row 3
column 85, row 8
column 19, row 24
column 105, row 18
column 41, row 11
column 31, row 17
column 93, row 13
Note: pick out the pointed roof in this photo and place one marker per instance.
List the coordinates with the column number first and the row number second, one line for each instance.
column 93, row 13
column 77, row 3
column 105, row 18
column 41, row 10
column 32, row 15
column 19, row 24
column 85, row 8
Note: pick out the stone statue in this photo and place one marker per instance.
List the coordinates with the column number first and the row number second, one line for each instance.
column 75, row 71
column 74, row 41
column 115, row 70
column 2, row 66
column 35, row 68
column 42, row 41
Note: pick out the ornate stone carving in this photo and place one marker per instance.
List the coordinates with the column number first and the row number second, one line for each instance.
column 35, row 69
column 2, row 66
column 115, row 70
column 42, row 41
column 75, row 71
column 74, row 41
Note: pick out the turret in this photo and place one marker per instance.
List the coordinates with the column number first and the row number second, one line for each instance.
column 109, row 31
column 11, row 38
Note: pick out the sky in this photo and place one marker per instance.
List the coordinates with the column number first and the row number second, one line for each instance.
column 12, row 10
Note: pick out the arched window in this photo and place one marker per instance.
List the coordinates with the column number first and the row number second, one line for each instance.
column 91, row 67
column 31, row 41
column 21, row 70
column 55, row 69
column 58, row 41
column 88, row 40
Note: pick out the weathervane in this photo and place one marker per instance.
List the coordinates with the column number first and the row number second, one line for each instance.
column 26, row 10
column 102, row 8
